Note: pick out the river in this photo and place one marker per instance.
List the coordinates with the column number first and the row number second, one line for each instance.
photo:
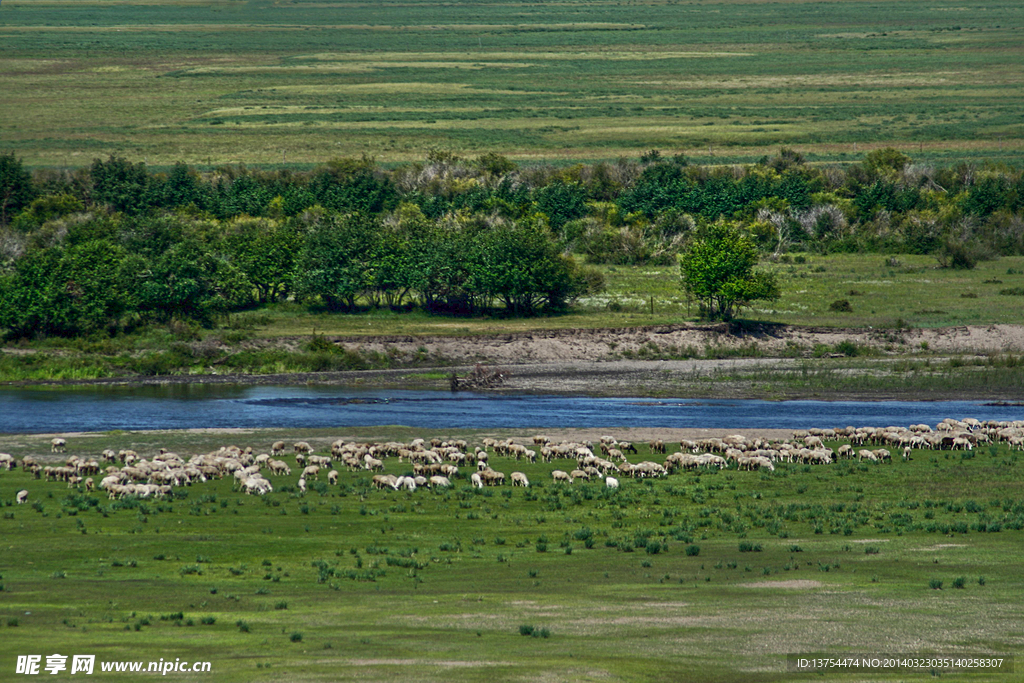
column 94, row 408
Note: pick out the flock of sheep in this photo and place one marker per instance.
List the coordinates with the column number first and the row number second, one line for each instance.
column 435, row 463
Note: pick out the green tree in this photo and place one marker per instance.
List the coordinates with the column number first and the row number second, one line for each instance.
column 718, row 270
column 120, row 184
column 336, row 263
column 265, row 251
column 189, row 281
column 520, row 265
column 16, row 189
column 66, row 291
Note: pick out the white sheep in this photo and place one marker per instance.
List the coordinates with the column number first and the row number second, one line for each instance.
column 438, row 480
column 302, row 485
column 476, row 480
column 611, row 482
column 519, row 479
column 332, row 477
column 58, row 445
column 560, row 476
column 21, row 496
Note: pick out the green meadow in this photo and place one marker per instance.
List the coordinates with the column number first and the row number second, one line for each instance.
column 709, row 576
column 298, row 83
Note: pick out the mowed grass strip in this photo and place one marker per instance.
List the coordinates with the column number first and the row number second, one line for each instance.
column 725, row 84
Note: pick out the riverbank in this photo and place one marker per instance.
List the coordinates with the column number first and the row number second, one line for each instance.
column 721, row 361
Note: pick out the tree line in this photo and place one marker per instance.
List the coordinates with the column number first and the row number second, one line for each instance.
column 115, row 244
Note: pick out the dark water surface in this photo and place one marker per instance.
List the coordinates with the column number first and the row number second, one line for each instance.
column 64, row 409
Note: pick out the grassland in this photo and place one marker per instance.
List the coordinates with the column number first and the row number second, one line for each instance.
column 302, row 82
column 435, row 586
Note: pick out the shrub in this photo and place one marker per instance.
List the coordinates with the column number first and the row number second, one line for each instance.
column 935, row 585
column 960, row 582
column 981, row 580
column 840, row 306
column 526, row 630
column 748, row 547
column 208, row 621
column 295, row 637
column 281, row 605
column 871, row 550
column 242, row 626
column 693, row 550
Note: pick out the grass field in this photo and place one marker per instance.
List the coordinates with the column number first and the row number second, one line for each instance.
column 711, row 576
column 302, row 82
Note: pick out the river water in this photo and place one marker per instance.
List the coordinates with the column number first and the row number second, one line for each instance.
column 94, row 408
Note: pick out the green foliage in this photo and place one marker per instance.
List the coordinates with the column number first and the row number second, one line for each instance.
column 718, row 270
column 120, row 184
column 16, row 189
column 335, row 264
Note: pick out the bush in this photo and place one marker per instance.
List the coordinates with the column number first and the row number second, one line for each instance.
column 242, row 626
column 692, row 550
column 748, row 547
column 208, row 621
column 960, row 582
column 526, row 630
column 871, row 550
column 840, row 306
column 295, row 637
column 935, row 585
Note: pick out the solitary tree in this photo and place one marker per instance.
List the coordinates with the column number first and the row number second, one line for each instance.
column 718, row 270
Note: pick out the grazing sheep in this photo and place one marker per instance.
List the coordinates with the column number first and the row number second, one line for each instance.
column 519, row 479
column 611, row 482
column 559, row 475
column 278, row 467
column 302, row 485
column 865, row 454
column 277, row 448
column 438, row 480
column 476, row 480
column 6, row 461
column 21, row 496
column 58, row 445
column 332, row 477
column 303, row 447
column 311, row 471
column 906, row 453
